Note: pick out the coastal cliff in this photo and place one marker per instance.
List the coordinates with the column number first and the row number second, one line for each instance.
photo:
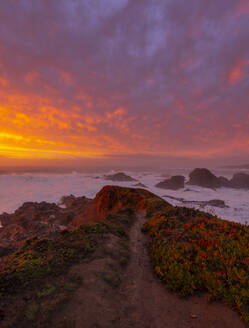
column 87, row 261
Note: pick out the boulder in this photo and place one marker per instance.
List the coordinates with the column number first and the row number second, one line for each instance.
column 224, row 182
column 140, row 185
column 213, row 202
column 240, row 181
column 182, row 200
column 204, row 178
column 120, row 176
column 217, row 203
column 174, row 183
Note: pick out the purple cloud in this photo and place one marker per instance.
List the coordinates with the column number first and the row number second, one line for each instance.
column 179, row 71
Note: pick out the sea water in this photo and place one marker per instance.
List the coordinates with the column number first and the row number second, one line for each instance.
column 15, row 189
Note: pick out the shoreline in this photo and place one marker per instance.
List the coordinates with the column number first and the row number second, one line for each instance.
column 103, row 225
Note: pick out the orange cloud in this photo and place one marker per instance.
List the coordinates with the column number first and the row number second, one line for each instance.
column 243, row 8
column 118, row 113
column 66, row 77
column 31, row 76
column 31, row 153
column 3, row 82
column 11, row 136
column 31, row 128
column 238, row 71
column 88, row 127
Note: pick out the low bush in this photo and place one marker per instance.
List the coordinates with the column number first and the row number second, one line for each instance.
column 193, row 251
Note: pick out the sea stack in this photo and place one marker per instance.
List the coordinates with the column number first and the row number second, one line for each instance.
column 174, row 183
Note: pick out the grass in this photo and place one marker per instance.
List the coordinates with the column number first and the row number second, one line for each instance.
column 194, row 251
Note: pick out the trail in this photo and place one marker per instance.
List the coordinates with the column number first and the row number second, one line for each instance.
column 152, row 306
column 141, row 300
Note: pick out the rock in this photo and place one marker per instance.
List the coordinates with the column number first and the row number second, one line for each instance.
column 109, row 200
column 240, row 181
column 174, row 183
column 204, row 178
column 42, row 220
column 213, row 202
column 217, row 203
column 141, row 185
column 45, row 220
column 224, row 182
column 119, row 177
column 182, row 200
column 74, row 203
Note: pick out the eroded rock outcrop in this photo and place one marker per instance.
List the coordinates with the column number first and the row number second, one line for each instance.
column 120, row 176
column 224, row 182
column 109, row 200
column 34, row 219
column 212, row 202
column 174, row 183
column 140, row 185
column 240, row 181
column 204, row 178
column 45, row 220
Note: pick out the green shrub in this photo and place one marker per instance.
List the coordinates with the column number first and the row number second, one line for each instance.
column 194, row 251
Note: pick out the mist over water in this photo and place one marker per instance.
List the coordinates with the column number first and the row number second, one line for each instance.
column 18, row 188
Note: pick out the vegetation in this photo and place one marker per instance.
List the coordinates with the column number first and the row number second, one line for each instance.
column 36, row 279
column 194, row 251
column 39, row 258
column 191, row 252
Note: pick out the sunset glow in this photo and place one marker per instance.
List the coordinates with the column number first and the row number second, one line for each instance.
column 85, row 80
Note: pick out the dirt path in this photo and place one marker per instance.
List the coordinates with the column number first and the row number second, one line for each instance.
column 140, row 300
column 152, row 306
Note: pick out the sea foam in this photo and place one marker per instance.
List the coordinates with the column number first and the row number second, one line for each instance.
column 17, row 189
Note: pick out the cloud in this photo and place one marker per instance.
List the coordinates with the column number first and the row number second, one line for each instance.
column 243, row 8
column 127, row 77
column 238, row 71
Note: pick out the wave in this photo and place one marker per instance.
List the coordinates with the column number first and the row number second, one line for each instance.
column 19, row 188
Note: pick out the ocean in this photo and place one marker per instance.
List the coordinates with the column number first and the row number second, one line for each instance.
column 15, row 189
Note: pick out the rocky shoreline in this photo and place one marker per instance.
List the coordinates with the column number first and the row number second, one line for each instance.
column 39, row 220
column 100, row 239
column 203, row 177
column 45, row 219
column 49, row 220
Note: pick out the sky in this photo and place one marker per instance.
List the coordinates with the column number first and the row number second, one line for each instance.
column 124, row 81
